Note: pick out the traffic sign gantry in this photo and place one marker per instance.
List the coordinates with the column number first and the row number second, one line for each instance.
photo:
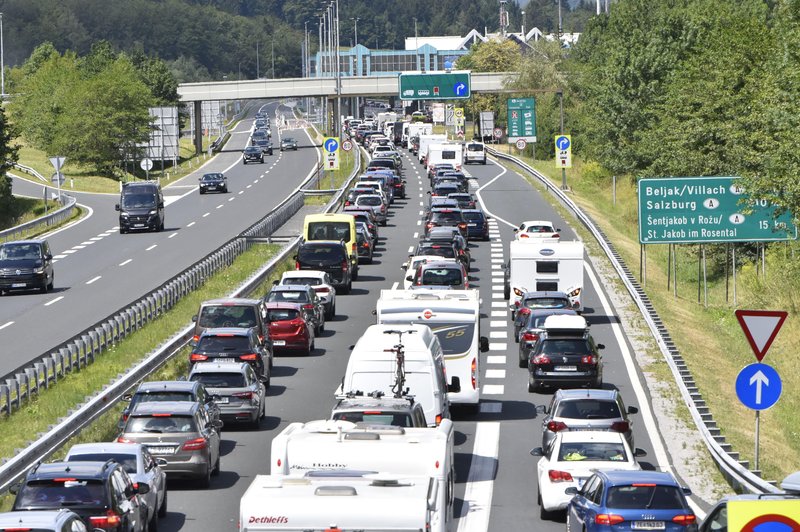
column 760, row 328
column 758, row 386
column 435, row 86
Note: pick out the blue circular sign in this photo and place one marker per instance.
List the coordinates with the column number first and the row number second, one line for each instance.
column 758, row 386
column 331, row 145
column 562, row 142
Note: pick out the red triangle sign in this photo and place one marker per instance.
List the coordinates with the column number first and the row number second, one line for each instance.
column 760, row 328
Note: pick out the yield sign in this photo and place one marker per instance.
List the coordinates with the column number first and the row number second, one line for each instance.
column 760, row 328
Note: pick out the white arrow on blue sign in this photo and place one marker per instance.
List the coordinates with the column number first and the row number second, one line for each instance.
column 758, row 386
column 459, row 89
column 331, row 145
column 562, row 143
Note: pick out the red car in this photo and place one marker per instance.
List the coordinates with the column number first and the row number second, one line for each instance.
column 289, row 328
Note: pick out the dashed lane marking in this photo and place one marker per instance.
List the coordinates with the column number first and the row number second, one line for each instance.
column 498, row 304
column 498, row 313
column 496, row 359
column 7, row 324
column 500, row 335
column 499, row 346
column 151, row 247
column 90, row 281
column 123, row 263
column 498, row 323
column 173, row 235
column 191, row 224
column 59, row 298
column 495, row 374
column 490, row 389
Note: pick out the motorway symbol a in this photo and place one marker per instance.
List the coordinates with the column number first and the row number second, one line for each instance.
column 760, row 328
column 758, row 386
column 562, row 142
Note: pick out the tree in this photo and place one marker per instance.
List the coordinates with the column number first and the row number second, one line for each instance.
column 8, row 156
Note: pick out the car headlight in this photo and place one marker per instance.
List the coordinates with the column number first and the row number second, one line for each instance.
column 40, row 269
column 151, row 213
column 124, row 214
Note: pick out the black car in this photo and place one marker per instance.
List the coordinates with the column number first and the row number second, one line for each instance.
column 465, row 200
column 215, row 181
column 26, row 265
column 446, row 218
column 101, row 493
column 477, row 224
column 141, row 207
column 329, row 256
column 364, row 246
column 288, row 143
column 451, row 235
column 265, row 145
column 258, row 134
column 528, row 329
column 233, row 344
column 252, row 154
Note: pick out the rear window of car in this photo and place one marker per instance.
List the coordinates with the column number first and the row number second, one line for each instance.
column 442, row 276
column 372, row 201
column 592, row 451
column 227, row 316
column 220, row 380
column 283, row 314
column 547, row 302
column 440, row 251
column 539, row 229
column 329, row 231
column 56, row 493
column 447, row 216
column 553, row 346
column 310, row 281
column 291, row 296
column 321, row 253
column 474, row 147
column 588, row 409
column 652, row 497
column 158, row 397
column 377, row 418
column 472, row 216
column 219, row 344
column 127, row 461
column 160, row 424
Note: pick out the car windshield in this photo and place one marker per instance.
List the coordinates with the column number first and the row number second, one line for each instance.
column 138, row 201
column 329, row 231
column 61, row 492
column 372, row 201
column 592, row 451
column 292, row 296
column 220, row 380
column 227, row 316
column 283, row 314
column 219, row 344
column 376, row 418
column 288, row 140
column 566, row 346
column 127, row 461
column 160, row 423
column 547, row 302
column 252, row 149
column 20, row 252
column 441, row 276
column 321, row 254
column 212, row 177
column 645, row 496
column 588, row 409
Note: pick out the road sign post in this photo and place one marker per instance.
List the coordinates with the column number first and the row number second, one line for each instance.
column 58, row 178
column 563, row 156
column 435, row 86
column 331, row 147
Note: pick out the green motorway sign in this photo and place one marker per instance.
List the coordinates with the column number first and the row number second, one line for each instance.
column 521, row 119
column 435, row 86
column 685, row 210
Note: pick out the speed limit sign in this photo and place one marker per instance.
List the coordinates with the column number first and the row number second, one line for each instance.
column 521, row 144
column 347, row 145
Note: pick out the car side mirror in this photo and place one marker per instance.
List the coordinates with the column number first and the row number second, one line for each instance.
column 294, row 257
column 484, row 344
column 571, row 491
column 218, row 424
column 116, row 207
column 14, row 489
column 639, row 452
column 48, row 257
column 409, row 278
column 601, row 346
column 127, row 397
column 633, row 410
column 276, row 282
column 404, row 266
column 686, row 491
column 142, row 488
column 194, row 318
column 537, row 451
column 160, row 204
column 455, row 386
column 541, row 409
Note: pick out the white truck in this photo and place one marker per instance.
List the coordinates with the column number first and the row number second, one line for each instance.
column 425, row 142
column 318, row 502
column 539, row 266
column 416, row 129
column 341, row 445
column 454, row 316
column 451, row 152
column 382, row 118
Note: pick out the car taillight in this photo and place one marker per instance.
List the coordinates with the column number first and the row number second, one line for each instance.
column 575, row 293
column 249, row 357
column 347, row 203
column 588, row 359
column 556, row 426
column 195, row 338
column 519, row 293
column 383, row 208
column 620, row 426
column 530, row 337
column 608, row 519
column 540, row 359
column 559, row 476
column 110, row 520
column 195, row 357
column 322, row 290
column 243, row 395
column 685, row 520
column 429, row 225
column 308, row 306
column 438, row 419
column 344, row 266
column 353, row 246
column 296, row 265
column 196, row 444
column 365, row 245
column 124, row 440
column 556, row 235
column 462, row 226
column 473, row 372
column 523, row 235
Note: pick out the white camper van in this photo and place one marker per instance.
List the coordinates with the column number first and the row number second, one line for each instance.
column 341, row 445
column 425, row 142
column 454, row 316
column 417, row 129
column 540, row 266
column 321, row 501
column 450, row 152
column 400, row 360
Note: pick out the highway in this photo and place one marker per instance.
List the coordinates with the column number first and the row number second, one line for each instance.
column 98, row 271
column 495, row 484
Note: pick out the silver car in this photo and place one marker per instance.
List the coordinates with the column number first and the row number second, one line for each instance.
column 180, row 433
column 320, row 282
column 235, row 388
column 376, row 203
column 43, row 521
column 138, row 463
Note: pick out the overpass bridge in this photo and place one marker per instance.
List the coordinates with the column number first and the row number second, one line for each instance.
column 322, row 87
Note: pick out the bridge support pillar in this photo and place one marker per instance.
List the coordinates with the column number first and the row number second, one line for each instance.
column 198, row 127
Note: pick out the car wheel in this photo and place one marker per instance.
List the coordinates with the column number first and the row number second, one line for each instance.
column 268, row 380
column 322, row 325
column 205, row 480
column 202, row 192
column 244, row 162
column 523, row 362
column 45, row 286
column 544, row 514
column 225, row 190
column 215, row 471
column 161, row 225
column 507, row 292
column 152, row 526
column 122, row 231
column 533, row 386
column 162, row 510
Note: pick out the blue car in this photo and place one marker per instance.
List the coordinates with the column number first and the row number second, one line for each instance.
column 477, row 224
column 630, row 500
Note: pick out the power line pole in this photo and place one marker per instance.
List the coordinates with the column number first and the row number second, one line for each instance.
column 2, row 62
column 258, row 64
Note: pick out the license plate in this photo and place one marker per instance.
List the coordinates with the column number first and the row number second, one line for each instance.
column 279, row 342
column 566, row 368
column 648, row 525
column 221, row 400
column 161, row 450
column 18, row 285
column 472, row 225
column 223, row 360
column 138, row 225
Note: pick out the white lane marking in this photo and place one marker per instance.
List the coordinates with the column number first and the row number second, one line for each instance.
column 497, row 266
column 498, row 334
column 497, row 287
column 123, row 263
column 488, row 212
column 172, row 235
column 497, row 274
column 482, row 470
column 241, row 192
column 416, row 235
column 498, row 346
column 87, row 243
column 495, row 374
column 394, row 285
column 491, row 408
column 493, row 389
column 191, row 224
column 410, row 249
column 496, row 359
column 248, row 186
column 75, row 248
column 420, row 195
column 419, row 222
column 206, row 214
column 496, row 254
column 499, row 304
column 151, row 247
column 498, row 323
column 96, row 238
column 60, row 257
column 254, row 182
column 59, row 298
column 498, row 313
column 497, row 261
column 231, row 199
column 90, row 281
column 220, row 206
column 3, row 326
column 421, row 213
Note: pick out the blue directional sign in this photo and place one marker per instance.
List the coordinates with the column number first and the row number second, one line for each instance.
column 460, row 88
column 331, row 145
column 758, row 386
column 562, row 142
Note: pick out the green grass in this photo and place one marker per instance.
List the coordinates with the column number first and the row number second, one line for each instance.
column 710, row 339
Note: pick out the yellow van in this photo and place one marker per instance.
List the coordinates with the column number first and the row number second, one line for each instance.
column 333, row 226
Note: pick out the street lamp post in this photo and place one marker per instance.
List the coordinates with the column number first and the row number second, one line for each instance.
column 416, row 46
column 355, row 29
column 258, row 63
column 272, row 42
column 2, row 62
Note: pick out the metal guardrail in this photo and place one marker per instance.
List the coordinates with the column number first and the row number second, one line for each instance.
column 734, row 470
column 86, row 346
column 63, row 213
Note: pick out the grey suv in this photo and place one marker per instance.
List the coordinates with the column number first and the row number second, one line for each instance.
column 586, row 410
column 236, row 388
column 153, row 391
column 26, row 265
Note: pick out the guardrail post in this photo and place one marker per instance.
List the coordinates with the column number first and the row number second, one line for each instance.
column 14, row 386
column 5, row 399
column 43, row 369
column 24, row 387
column 58, row 364
column 33, row 380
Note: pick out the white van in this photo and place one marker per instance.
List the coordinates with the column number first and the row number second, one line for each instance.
column 341, row 445
column 425, row 142
column 316, row 501
column 417, row 129
column 454, row 316
column 539, row 266
column 452, row 153
column 475, row 153
column 374, row 365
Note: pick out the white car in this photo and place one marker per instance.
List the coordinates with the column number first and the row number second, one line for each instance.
column 410, row 268
column 537, row 229
column 321, row 284
column 570, row 460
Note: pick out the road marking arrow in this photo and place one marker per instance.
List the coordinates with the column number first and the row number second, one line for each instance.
column 759, row 379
